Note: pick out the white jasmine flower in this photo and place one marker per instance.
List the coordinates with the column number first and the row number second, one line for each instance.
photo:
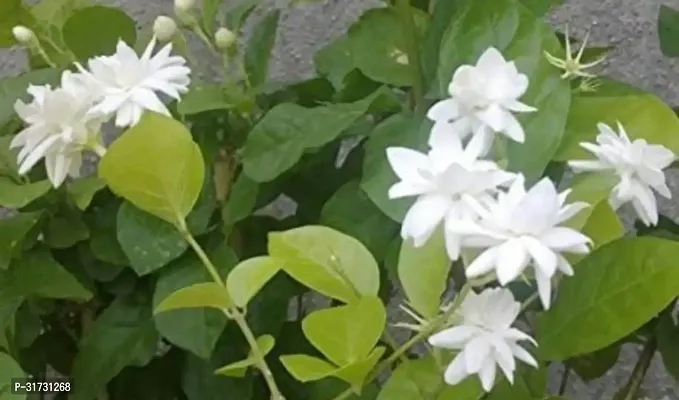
column 638, row 165
column 483, row 99
column 523, row 228
column 59, row 127
column 164, row 28
column 486, row 339
column 129, row 84
column 444, row 180
column 23, row 35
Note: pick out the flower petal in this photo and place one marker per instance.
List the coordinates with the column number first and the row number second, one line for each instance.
column 512, row 259
column 454, row 338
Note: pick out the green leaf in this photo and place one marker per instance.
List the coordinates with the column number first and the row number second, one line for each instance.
column 238, row 14
column 346, row 333
column 421, row 379
column 643, row 115
column 210, row 12
column 197, row 329
column 65, row 229
column 327, row 261
column 199, row 295
column 540, row 7
column 95, row 31
column 148, row 242
column 265, row 344
column 13, row 232
column 36, row 273
column 242, row 200
column 13, row 195
column 13, row 89
column 378, row 177
column 379, row 45
column 356, row 372
column 9, row 369
column 56, row 12
column 306, row 368
column 209, row 97
column 529, row 384
column 249, row 277
column 118, row 338
column 335, row 61
column 668, row 30
column 12, row 13
column 157, row 167
column 666, row 334
column 259, row 48
column 444, row 13
column 523, row 37
column 423, row 273
column 595, row 365
column 614, row 291
column 279, row 140
column 351, row 211
column 82, row 190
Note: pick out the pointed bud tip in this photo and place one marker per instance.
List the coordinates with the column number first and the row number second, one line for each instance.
column 225, row 38
column 22, row 34
column 164, row 28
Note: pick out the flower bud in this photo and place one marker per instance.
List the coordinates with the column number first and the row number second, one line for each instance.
column 184, row 5
column 23, row 35
column 164, row 28
column 224, row 38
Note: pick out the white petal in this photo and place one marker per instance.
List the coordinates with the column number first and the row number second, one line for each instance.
column 587, row 166
column 517, row 106
column 523, row 355
column 406, row 162
column 148, row 100
column 456, row 371
column 483, row 264
column 36, row 154
column 444, row 110
column 513, row 128
column 476, row 353
column 512, row 259
column 490, row 60
column 545, row 259
column 423, row 217
column 544, row 288
column 454, row 338
column 645, row 204
column 480, row 143
column 494, row 116
column 487, row 375
column 561, row 238
column 406, row 189
column 505, row 358
column 564, row 266
column 445, row 139
column 518, row 336
column 571, row 210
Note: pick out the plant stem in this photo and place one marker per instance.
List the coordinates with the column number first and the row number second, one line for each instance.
column 235, row 314
column 640, row 369
column 423, row 334
column 564, row 380
column 412, row 39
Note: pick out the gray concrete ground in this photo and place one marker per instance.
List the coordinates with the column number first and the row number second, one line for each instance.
column 628, row 24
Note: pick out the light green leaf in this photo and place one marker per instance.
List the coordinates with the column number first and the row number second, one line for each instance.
column 614, row 291
column 265, row 344
column 604, row 225
column 249, row 277
column 421, row 379
column 36, row 273
column 123, row 335
column 378, row 177
column 199, row 295
column 237, row 15
column 351, row 211
column 13, row 232
column 209, row 97
column 592, row 189
column 280, row 139
column 356, row 372
column 347, row 333
column 668, row 30
column 521, row 36
column 82, row 190
column 306, row 368
column 9, row 369
column 13, row 89
column 196, row 329
column 13, row 195
column 327, row 261
column 95, row 31
column 423, row 273
column 259, row 48
column 56, row 12
column 379, row 45
column 210, row 11
column 157, row 167
column 643, row 115
column 147, row 241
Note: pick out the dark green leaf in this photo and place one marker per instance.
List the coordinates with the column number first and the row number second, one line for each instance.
column 118, row 338
column 335, row 61
column 667, row 336
column 148, row 242
column 210, row 97
column 614, row 291
column 13, row 195
column 95, row 31
column 668, row 30
column 13, row 232
column 198, row 220
column 445, row 13
column 540, row 7
column 529, row 384
column 238, row 14
column 595, row 365
column 82, row 190
column 259, row 48
column 9, row 369
column 198, row 329
column 65, row 229
column 242, row 200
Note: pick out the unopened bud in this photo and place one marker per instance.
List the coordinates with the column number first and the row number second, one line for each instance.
column 164, row 28
column 225, row 39
column 184, row 5
column 23, row 35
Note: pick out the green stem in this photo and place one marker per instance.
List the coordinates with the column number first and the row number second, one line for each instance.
column 412, row 39
column 640, row 369
column 44, row 56
column 235, row 314
column 426, row 331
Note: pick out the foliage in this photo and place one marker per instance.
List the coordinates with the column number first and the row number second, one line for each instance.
column 162, row 275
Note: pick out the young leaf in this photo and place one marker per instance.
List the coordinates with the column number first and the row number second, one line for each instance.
column 668, row 30
column 199, row 295
column 614, row 291
column 96, row 30
column 347, row 333
column 249, row 277
column 423, row 273
column 147, row 241
column 157, row 167
column 259, row 48
column 13, row 195
column 123, row 334
column 306, row 368
column 238, row 369
column 327, row 261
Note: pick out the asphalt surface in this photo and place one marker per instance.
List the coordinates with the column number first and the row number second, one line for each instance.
column 630, row 25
